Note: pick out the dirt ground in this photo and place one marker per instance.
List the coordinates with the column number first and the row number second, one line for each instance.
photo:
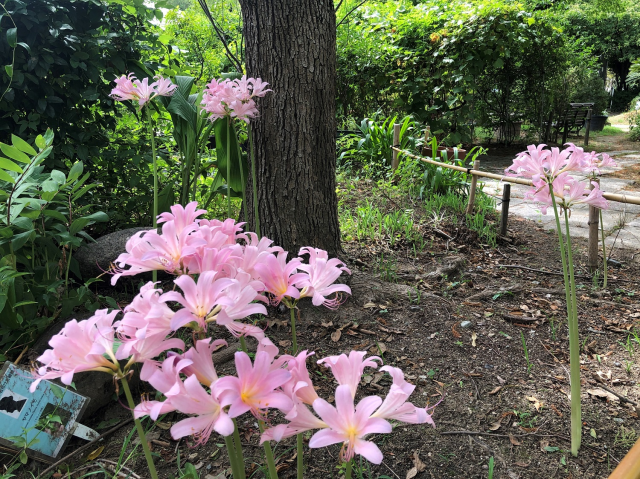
column 494, row 402
column 482, row 331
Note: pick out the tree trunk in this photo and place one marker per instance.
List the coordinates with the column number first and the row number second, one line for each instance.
column 292, row 46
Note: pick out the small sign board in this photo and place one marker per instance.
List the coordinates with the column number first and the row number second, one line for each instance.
column 25, row 414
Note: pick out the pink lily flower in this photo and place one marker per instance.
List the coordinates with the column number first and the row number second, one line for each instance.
column 279, row 277
column 146, row 314
column 199, row 300
column 243, row 110
column 300, row 384
column 164, row 86
column 254, row 389
column 258, row 87
column 322, row 272
column 144, row 92
column 210, row 415
column 165, row 377
column 182, row 217
column 202, row 361
column 139, row 350
column 124, row 89
column 79, row 346
column 348, row 370
column 395, row 405
column 578, row 194
column 349, row 426
column 301, row 420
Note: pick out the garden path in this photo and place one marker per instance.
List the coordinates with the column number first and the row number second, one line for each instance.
column 621, row 221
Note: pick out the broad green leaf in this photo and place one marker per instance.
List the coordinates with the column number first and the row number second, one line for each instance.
column 12, row 37
column 55, row 214
column 22, row 145
column 40, row 142
column 9, row 165
column 59, row 177
column 19, row 240
column 13, row 153
column 75, row 172
column 9, row 70
column 50, row 186
column 221, row 129
column 80, row 223
column 6, row 177
column 57, row 391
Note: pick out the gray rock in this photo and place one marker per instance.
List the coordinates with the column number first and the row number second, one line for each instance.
column 95, row 385
column 95, row 258
column 466, row 324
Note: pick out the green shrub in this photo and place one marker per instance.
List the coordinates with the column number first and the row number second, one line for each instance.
column 40, row 228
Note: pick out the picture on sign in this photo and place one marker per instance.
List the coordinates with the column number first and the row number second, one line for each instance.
column 45, row 419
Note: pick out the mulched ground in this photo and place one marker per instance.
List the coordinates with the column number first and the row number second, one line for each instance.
column 494, row 402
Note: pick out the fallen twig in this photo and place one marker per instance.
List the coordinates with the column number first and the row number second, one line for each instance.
column 86, row 446
column 622, row 398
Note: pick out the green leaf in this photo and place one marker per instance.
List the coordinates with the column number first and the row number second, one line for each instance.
column 75, row 172
column 551, row 448
column 9, row 165
column 55, row 214
column 220, row 128
column 12, row 37
column 80, row 223
column 13, row 153
column 40, row 142
column 57, row 391
column 499, row 63
column 19, row 240
column 9, row 70
column 22, row 145
column 23, row 454
column 6, row 177
column 50, row 186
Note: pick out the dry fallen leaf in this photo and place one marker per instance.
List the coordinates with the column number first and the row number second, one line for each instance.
column 164, row 425
column 474, row 336
column 536, row 402
column 335, row 336
column 95, row 453
column 496, row 425
column 418, row 466
column 495, row 390
column 382, row 348
column 285, row 343
column 522, row 464
column 514, row 441
column 601, row 393
column 370, row 306
column 327, row 325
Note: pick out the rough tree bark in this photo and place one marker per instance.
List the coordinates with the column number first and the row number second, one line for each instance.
column 292, row 45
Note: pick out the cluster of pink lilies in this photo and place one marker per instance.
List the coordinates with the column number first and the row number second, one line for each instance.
column 233, row 98
column 130, row 88
column 554, row 167
column 225, row 276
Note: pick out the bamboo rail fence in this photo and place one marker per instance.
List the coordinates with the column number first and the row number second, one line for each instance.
column 633, row 200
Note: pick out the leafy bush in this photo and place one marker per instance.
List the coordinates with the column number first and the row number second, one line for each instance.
column 61, row 56
column 40, row 227
column 444, row 62
column 375, row 141
column 634, row 126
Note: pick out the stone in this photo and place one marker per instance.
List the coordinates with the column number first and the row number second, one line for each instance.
column 97, row 386
column 466, row 324
column 95, row 258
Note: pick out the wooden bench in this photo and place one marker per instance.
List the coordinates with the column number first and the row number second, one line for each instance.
column 573, row 117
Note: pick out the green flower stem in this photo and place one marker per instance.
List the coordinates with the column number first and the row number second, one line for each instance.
column 143, row 439
column 243, row 344
column 154, row 273
column 273, row 473
column 244, row 186
column 66, row 273
column 229, row 168
column 605, row 266
column 294, row 338
column 574, row 341
column 347, row 473
column 574, row 352
column 300, row 457
column 233, row 458
column 239, row 455
column 253, row 181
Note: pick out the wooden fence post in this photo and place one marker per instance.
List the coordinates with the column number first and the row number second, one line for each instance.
column 472, row 189
column 594, row 231
column 396, row 144
column 587, row 128
column 504, row 215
